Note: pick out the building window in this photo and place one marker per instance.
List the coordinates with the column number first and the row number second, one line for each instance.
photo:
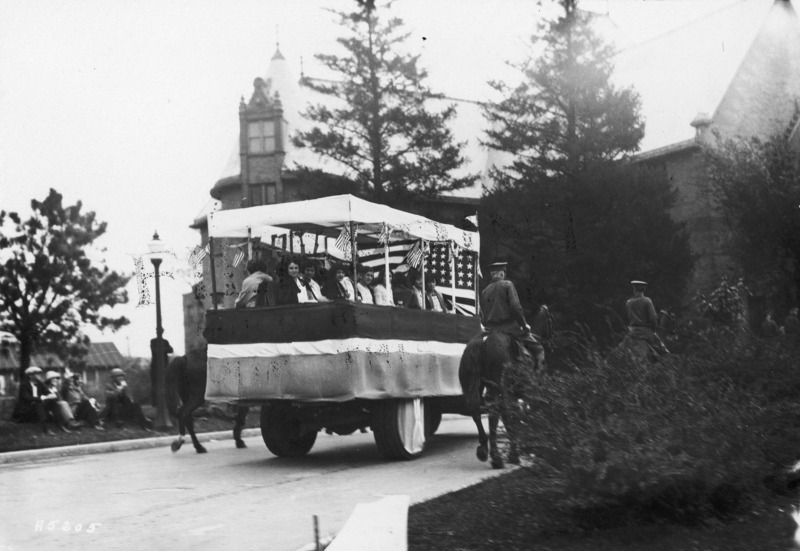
column 262, row 194
column 261, row 136
column 256, row 195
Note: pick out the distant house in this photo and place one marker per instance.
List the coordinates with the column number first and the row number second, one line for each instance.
column 101, row 358
column 9, row 366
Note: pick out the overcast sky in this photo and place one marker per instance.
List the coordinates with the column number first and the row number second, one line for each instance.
column 132, row 106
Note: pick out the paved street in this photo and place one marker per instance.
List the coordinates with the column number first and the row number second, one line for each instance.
column 226, row 499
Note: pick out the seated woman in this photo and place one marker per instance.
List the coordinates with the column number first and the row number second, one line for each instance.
column 381, row 292
column 363, row 288
column 340, row 287
column 291, row 289
column 400, row 290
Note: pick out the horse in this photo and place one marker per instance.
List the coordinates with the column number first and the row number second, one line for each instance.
column 485, row 360
column 186, row 379
column 638, row 346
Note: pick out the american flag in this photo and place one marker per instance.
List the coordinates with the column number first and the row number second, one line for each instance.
column 374, row 258
column 438, row 265
column 237, row 259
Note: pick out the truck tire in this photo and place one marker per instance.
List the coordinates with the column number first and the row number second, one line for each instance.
column 281, row 431
column 399, row 427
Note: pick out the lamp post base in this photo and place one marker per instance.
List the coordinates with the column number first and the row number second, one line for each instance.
column 159, row 347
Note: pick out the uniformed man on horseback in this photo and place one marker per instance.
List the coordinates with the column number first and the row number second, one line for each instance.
column 502, row 311
column 642, row 319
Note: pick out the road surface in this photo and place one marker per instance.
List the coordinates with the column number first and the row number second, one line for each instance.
column 227, row 499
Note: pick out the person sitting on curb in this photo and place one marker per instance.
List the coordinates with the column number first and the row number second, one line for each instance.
column 120, row 405
column 79, row 402
column 35, row 401
column 61, row 410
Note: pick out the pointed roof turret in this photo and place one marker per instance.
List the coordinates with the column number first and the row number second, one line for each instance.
column 761, row 97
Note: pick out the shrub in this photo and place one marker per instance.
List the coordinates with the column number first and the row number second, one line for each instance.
column 685, row 439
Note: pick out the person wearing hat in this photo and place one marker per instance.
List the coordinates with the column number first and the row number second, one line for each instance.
column 79, row 402
column 120, row 405
column 502, row 311
column 642, row 318
column 35, row 401
column 62, row 409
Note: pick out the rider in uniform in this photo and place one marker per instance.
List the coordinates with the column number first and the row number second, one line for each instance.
column 502, row 311
column 642, row 318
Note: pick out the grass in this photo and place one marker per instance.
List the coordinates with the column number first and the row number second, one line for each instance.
column 512, row 512
column 28, row 436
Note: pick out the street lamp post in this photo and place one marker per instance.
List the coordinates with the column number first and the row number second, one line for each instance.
column 158, row 346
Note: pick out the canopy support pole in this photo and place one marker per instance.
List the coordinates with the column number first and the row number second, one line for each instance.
column 453, row 274
column 422, row 271
column 213, row 272
column 249, row 244
column 386, row 284
column 354, row 255
column 477, row 284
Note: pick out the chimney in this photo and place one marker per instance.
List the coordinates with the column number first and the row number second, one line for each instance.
column 701, row 123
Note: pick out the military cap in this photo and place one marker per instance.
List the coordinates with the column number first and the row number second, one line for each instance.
column 637, row 282
column 497, row 266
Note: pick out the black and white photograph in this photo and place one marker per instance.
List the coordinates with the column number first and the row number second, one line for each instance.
column 349, row 275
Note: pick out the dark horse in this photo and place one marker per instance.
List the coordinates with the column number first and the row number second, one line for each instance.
column 186, row 379
column 485, row 359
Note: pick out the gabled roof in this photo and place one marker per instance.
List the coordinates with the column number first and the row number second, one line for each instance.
column 760, row 100
column 102, row 355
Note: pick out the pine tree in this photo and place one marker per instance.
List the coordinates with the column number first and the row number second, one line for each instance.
column 376, row 121
column 48, row 284
column 577, row 220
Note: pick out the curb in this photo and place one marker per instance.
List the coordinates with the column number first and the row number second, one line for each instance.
column 113, row 446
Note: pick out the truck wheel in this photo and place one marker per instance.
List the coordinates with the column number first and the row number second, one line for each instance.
column 433, row 417
column 399, row 427
column 281, row 431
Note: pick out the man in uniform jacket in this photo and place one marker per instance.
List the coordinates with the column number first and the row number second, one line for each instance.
column 642, row 318
column 502, row 311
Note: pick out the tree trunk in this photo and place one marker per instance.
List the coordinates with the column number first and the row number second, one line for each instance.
column 25, row 352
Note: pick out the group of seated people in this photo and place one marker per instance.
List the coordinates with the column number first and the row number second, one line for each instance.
column 44, row 398
column 302, row 281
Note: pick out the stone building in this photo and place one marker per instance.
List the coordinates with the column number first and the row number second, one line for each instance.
column 761, row 101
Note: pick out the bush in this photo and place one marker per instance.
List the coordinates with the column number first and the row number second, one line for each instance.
column 686, row 439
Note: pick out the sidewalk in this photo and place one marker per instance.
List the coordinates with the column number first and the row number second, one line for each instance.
column 116, row 446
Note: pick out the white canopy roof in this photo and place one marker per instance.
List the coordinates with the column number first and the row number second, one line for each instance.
column 329, row 215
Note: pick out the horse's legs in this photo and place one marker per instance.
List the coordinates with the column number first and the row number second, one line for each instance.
column 482, row 452
column 494, row 453
column 241, row 418
column 187, row 417
column 178, row 442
